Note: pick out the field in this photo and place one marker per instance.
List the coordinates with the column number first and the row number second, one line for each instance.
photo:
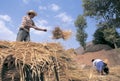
column 28, row 61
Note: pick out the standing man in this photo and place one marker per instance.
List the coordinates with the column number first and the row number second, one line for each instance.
column 100, row 66
column 27, row 23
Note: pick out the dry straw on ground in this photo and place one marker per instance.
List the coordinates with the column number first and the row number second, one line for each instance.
column 32, row 61
column 58, row 33
column 28, row 61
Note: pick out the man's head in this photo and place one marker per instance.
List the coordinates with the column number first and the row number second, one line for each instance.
column 31, row 13
column 92, row 60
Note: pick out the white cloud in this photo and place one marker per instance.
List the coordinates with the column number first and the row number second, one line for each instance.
column 28, row 1
column 64, row 17
column 42, row 7
column 5, row 33
column 25, row 1
column 5, row 18
column 54, row 7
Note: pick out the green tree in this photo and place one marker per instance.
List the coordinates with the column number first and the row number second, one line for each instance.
column 107, row 13
column 112, row 36
column 99, row 37
column 81, row 36
column 104, row 10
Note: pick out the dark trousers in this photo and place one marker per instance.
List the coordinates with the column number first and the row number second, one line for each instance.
column 23, row 35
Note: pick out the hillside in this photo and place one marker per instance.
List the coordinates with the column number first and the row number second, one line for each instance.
column 20, row 61
column 101, row 51
column 111, row 57
column 90, row 47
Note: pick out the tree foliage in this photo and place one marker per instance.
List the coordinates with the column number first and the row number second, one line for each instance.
column 99, row 37
column 105, row 10
column 80, row 22
column 107, row 13
column 81, row 36
column 112, row 36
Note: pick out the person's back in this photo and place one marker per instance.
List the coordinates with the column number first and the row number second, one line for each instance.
column 99, row 65
column 96, row 61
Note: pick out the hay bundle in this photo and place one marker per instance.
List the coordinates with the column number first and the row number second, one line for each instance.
column 67, row 34
column 58, row 33
column 27, row 61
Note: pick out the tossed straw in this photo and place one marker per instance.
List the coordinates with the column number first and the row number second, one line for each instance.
column 58, row 33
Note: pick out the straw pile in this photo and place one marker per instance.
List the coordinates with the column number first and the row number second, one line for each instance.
column 27, row 61
column 58, row 33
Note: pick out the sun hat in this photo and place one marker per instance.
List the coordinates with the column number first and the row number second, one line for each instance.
column 32, row 12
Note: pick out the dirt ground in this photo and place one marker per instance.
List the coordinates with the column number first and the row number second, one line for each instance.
column 111, row 57
column 88, row 73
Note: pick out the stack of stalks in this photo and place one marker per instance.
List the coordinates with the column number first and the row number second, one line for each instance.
column 28, row 61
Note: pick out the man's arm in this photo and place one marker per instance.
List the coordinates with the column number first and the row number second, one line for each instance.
column 40, row 29
column 94, row 64
column 37, row 28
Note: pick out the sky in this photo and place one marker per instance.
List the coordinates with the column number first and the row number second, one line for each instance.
column 51, row 13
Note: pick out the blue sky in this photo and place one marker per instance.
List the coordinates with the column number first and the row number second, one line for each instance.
column 51, row 13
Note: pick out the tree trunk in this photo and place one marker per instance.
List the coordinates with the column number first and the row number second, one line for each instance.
column 115, row 45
